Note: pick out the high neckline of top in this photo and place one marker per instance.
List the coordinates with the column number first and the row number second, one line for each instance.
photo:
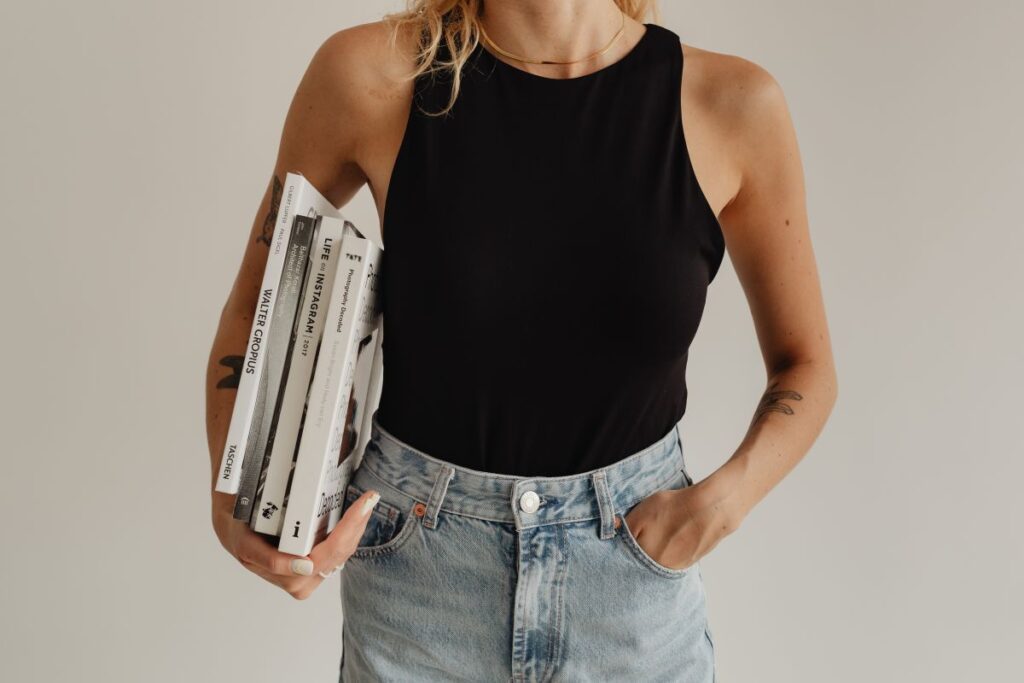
column 633, row 53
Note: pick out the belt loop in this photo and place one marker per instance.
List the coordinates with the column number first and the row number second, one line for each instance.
column 682, row 457
column 444, row 476
column 604, row 504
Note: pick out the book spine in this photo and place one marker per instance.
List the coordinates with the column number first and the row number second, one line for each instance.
column 319, row 447
column 229, row 476
column 309, row 332
column 348, row 229
column 305, row 285
column 276, row 351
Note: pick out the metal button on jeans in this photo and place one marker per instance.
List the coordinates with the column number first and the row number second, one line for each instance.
column 529, row 501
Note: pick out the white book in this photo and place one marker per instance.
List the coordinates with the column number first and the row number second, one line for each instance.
column 309, row 331
column 298, row 196
column 324, row 464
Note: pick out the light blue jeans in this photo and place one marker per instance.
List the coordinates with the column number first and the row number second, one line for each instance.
column 463, row 575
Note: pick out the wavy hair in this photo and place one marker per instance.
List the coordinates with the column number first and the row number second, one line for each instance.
column 456, row 23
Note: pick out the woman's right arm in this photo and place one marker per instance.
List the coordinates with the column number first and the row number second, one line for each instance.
column 319, row 140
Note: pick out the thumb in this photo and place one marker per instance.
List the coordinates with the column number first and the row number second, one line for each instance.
column 339, row 544
column 361, row 508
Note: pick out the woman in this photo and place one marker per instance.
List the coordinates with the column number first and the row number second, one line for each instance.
column 551, row 228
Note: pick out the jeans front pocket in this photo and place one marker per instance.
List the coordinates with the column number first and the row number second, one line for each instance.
column 641, row 555
column 391, row 522
column 629, row 540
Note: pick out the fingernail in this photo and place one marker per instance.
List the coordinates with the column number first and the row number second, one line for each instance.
column 302, row 566
column 369, row 503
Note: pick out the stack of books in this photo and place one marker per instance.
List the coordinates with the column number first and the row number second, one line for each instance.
column 311, row 374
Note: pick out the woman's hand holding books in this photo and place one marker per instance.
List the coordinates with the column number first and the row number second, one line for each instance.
column 298, row 576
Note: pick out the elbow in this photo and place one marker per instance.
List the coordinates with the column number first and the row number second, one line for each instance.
column 819, row 369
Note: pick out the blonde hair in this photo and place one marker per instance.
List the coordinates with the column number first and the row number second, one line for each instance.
column 456, row 23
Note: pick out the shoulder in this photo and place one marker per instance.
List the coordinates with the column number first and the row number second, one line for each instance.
column 740, row 94
column 354, row 89
column 365, row 66
column 742, row 121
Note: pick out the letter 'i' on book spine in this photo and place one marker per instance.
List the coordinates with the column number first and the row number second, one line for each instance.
column 270, row 501
column 323, row 465
column 298, row 196
column 276, row 350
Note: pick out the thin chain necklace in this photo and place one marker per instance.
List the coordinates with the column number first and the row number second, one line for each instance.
column 611, row 42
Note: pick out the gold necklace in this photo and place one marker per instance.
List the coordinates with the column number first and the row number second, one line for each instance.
column 611, row 42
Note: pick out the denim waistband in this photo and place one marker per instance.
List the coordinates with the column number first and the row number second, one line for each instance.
column 597, row 494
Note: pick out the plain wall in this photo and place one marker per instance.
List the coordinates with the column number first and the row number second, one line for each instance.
column 137, row 140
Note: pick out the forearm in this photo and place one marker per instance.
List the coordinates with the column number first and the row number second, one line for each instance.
column 224, row 365
column 223, row 371
column 788, row 419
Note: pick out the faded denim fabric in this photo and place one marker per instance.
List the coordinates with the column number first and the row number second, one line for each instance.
column 464, row 575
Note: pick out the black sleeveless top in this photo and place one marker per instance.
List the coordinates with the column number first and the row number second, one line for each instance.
column 547, row 255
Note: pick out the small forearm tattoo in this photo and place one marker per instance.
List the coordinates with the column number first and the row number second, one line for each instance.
column 267, row 235
column 235, row 364
column 772, row 401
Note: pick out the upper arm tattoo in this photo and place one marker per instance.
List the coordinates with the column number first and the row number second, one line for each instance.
column 267, row 235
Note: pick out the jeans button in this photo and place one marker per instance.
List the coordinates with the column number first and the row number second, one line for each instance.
column 529, row 501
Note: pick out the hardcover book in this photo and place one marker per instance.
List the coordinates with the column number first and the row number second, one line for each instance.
column 277, row 345
column 271, row 498
column 297, row 195
column 334, row 427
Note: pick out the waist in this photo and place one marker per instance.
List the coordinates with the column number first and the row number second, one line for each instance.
column 525, row 501
column 549, row 416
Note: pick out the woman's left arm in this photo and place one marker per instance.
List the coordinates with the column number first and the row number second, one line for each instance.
column 768, row 241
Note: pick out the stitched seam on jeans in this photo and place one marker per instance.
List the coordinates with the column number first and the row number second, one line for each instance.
column 655, row 567
column 391, row 486
column 555, row 636
column 657, row 487
column 634, row 547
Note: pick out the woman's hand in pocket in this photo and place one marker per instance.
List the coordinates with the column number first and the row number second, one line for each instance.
column 298, row 576
column 677, row 527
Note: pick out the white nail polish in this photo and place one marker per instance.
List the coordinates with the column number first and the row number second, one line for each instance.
column 302, row 566
column 370, row 502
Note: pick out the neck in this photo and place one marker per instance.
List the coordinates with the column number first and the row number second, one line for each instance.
column 559, row 31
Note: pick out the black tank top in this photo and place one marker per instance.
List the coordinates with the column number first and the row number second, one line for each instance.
column 547, row 255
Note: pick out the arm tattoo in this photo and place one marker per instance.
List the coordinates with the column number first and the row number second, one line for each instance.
column 772, row 401
column 271, row 220
column 231, row 381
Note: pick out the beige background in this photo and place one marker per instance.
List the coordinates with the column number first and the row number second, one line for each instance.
column 137, row 140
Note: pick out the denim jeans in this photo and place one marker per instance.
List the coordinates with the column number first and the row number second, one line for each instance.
column 463, row 575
